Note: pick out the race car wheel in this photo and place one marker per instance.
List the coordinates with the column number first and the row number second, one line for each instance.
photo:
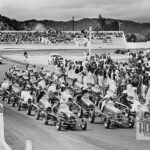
column 107, row 123
column 8, row 100
column 37, row 115
column 83, row 124
column 131, row 122
column 3, row 98
column 45, row 119
column 92, row 116
column 80, row 113
column 58, row 124
column 13, row 104
column 19, row 106
column 29, row 109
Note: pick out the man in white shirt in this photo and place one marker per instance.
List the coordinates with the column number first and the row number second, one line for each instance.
column 5, row 85
column 25, row 95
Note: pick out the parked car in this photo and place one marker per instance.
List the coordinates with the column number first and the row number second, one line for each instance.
column 52, row 57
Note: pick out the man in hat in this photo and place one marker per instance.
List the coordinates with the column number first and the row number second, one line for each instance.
column 124, row 99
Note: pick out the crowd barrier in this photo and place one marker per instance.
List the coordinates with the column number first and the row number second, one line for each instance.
column 3, row 143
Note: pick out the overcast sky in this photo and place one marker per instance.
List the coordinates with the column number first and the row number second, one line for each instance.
column 137, row 10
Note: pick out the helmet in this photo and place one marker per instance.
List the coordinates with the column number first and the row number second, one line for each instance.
column 124, row 92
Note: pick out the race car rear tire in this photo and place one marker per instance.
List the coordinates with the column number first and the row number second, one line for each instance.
column 83, row 124
column 80, row 113
column 13, row 104
column 92, row 116
column 19, row 106
column 8, row 100
column 45, row 119
column 37, row 115
column 3, row 98
column 29, row 109
column 131, row 122
column 107, row 123
column 58, row 125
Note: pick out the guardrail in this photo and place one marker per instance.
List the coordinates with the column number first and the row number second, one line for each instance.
column 5, row 146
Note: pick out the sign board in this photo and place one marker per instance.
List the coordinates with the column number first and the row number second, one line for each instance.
column 1, row 108
column 142, row 124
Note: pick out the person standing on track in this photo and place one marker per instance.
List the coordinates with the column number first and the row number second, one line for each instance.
column 25, row 55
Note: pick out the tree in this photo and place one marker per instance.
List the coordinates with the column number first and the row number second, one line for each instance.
column 115, row 25
column 102, row 22
column 131, row 37
column 147, row 37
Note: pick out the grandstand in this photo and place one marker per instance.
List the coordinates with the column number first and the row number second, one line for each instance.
column 100, row 39
column 110, row 39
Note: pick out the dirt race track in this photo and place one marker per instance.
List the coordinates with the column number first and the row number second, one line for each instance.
column 19, row 127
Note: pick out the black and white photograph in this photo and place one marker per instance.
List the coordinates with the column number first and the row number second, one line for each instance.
column 74, row 74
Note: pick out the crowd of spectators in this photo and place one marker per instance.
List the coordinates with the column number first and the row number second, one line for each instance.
column 52, row 36
column 113, row 77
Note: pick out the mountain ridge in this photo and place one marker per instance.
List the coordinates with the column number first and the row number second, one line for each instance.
column 82, row 24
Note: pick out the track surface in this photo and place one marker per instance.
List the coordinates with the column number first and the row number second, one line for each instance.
column 19, row 127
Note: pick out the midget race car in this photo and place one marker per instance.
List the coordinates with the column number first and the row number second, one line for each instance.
column 5, row 89
column 14, row 94
column 26, row 103
column 43, row 108
column 84, row 103
column 67, row 119
column 96, row 95
column 62, row 117
column 112, row 113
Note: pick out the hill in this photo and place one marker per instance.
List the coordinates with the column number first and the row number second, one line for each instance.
column 82, row 24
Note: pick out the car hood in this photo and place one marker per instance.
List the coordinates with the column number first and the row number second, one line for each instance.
column 112, row 109
column 67, row 112
column 95, row 90
column 78, row 84
column 87, row 101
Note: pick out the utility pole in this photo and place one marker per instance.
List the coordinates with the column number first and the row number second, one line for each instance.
column 90, row 36
column 73, row 24
column 120, row 25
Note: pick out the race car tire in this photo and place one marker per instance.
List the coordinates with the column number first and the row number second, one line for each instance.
column 80, row 113
column 45, row 119
column 13, row 104
column 91, row 116
column 107, row 123
column 8, row 100
column 19, row 106
column 58, row 125
column 37, row 115
column 3, row 98
column 29, row 109
column 131, row 122
column 83, row 124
